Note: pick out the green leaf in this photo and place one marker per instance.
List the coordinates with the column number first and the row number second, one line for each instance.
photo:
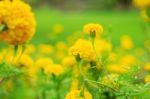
column 148, row 11
column 16, row 47
column 2, row 27
column 7, row 70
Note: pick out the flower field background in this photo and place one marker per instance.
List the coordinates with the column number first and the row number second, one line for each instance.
column 94, row 53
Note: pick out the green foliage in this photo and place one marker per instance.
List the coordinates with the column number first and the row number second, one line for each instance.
column 7, row 70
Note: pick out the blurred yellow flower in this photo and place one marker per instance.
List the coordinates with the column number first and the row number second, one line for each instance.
column 42, row 62
column 75, row 94
column 18, row 20
column 45, row 49
column 94, row 30
column 25, row 61
column 83, row 49
column 141, row 3
column 8, row 55
column 102, row 46
column 68, row 61
column 55, row 69
column 147, row 66
column 115, row 68
column 128, row 60
column 126, row 42
column 32, row 73
column 147, row 79
column 74, row 84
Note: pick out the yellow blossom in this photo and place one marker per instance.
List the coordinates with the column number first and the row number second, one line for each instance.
column 128, row 60
column 83, row 49
column 75, row 94
column 18, row 20
column 25, row 61
column 8, row 55
column 32, row 73
column 115, row 68
column 94, row 30
column 147, row 67
column 45, row 49
column 74, row 84
column 55, row 69
column 42, row 62
column 102, row 46
column 126, row 42
column 147, row 79
column 69, row 61
column 141, row 3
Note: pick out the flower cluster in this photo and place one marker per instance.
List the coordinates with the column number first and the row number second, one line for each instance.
column 18, row 21
column 83, row 49
column 144, row 6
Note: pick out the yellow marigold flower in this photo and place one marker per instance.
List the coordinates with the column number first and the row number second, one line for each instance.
column 55, row 69
column 25, row 61
column 32, row 73
column 128, row 60
column 94, row 30
column 147, row 67
column 18, row 20
column 102, row 46
column 141, row 3
column 8, row 55
column 75, row 94
column 68, row 61
column 83, row 49
column 147, row 79
column 42, row 62
column 74, row 84
column 115, row 68
column 126, row 42
column 45, row 49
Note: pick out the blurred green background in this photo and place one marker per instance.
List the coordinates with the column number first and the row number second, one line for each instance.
column 72, row 15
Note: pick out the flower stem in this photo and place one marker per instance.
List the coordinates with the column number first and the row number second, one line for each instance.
column 2, row 27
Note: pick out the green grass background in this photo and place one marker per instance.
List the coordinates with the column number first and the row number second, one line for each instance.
column 123, row 23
